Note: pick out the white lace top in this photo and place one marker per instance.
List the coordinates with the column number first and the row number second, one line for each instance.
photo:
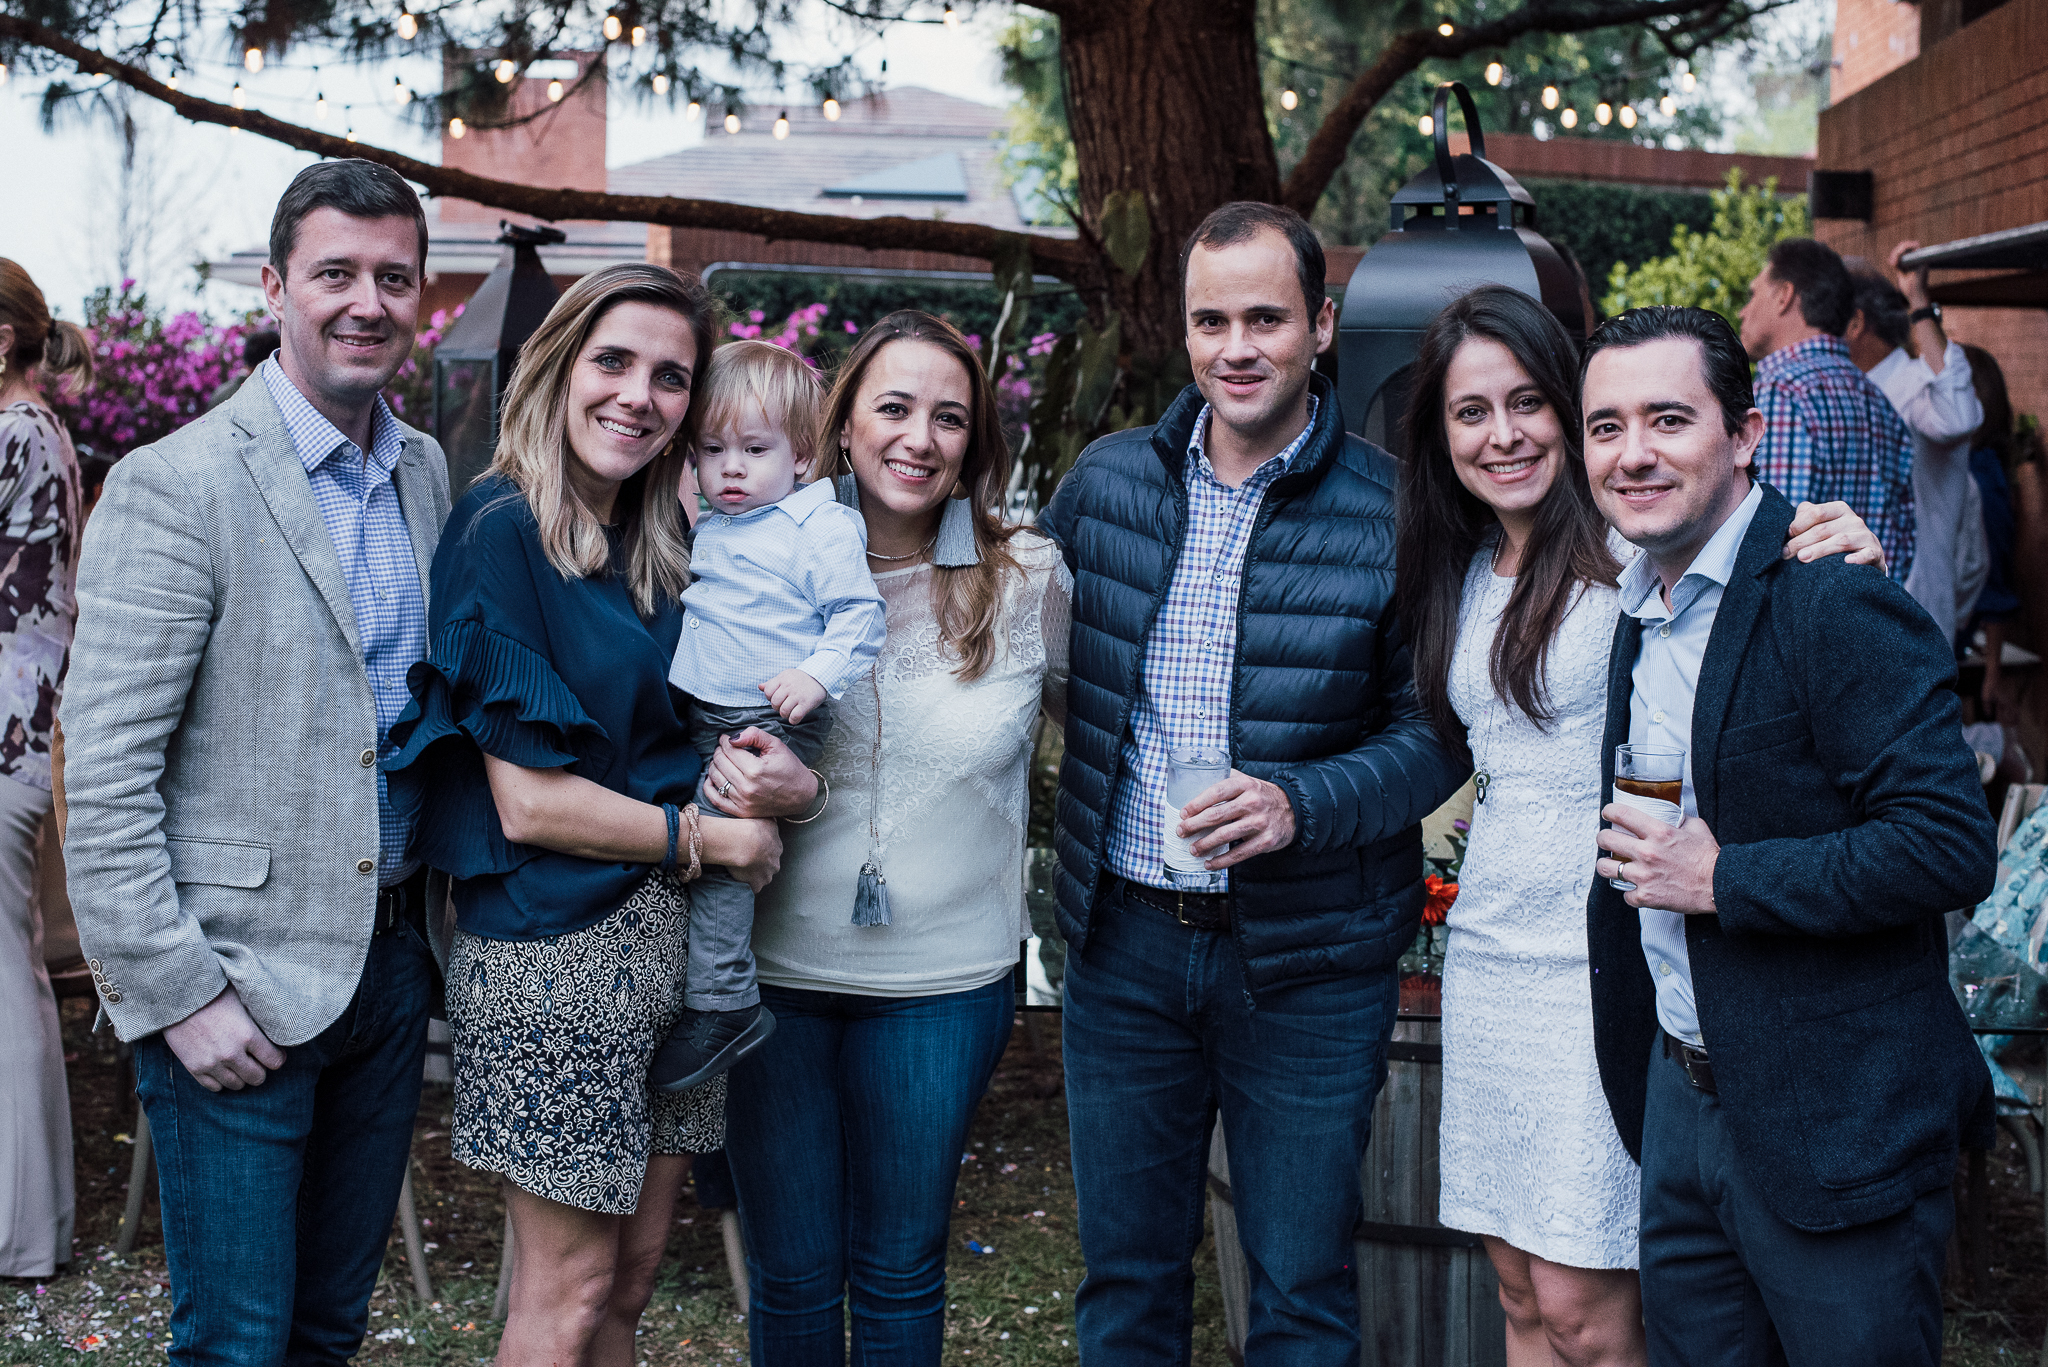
column 952, row 784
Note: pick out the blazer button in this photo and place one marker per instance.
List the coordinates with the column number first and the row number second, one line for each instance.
column 106, row 991
column 114, row 998
column 93, row 964
column 366, row 866
column 369, row 758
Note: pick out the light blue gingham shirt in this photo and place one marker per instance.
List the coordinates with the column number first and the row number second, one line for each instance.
column 782, row 586
column 1667, row 675
column 1191, row 655
column 359, row 504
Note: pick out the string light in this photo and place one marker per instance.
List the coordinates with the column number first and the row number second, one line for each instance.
column 952, row 18
column 3, row 75
column 253, row 60
column 1669, row 104
column 1426, row 125
column 1687, row 81
column 694, row 109
column 320, row 106
column 1628, row 116
column 612, row 28
column 554, row 92
column 399, row 94
column 660, row 83
column 1288, row 99
column 1570, row 118
column 235, row 96
column 639, row 34
column 1494, row 71
column 408, row 27
column 1550, row 97
column 1446, row 29
column 351, row 134
column 172, row 82
column 732, row 120
column 782, row 126
column 456, row 128
column 1603, row 113
column 831, row 110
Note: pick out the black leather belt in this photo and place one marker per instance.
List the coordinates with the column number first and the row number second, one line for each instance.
column 1196, row 910
column 1699, row 1071
column 402, row 904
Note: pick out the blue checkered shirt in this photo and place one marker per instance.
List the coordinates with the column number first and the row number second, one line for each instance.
column 1829, row 433
column 1191, row 655
column 359, row 504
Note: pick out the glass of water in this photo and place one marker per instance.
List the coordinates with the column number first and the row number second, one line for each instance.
column 1190, row 773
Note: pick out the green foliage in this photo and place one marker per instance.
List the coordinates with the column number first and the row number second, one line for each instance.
column 1713, row 269
column 1038, row 154
column 1610, row 225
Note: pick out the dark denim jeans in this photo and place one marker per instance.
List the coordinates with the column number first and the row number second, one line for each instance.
column 844, row 1132
column 1159, row 1037
column 1726, row 1283
column 277, row 1199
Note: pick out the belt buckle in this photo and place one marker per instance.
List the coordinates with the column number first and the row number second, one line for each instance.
column 1180, row 909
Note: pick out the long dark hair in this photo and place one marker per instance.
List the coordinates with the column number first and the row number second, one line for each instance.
column 1443, row 524
column 1988, row 379
column 967, row 599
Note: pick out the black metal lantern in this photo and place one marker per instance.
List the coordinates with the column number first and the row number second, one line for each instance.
column 473, row 362
column 1463, row 222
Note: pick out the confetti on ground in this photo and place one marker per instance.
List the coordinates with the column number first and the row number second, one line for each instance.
column 976, row 1246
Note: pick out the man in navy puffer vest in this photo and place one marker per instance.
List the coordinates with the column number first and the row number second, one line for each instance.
column 1234, row 581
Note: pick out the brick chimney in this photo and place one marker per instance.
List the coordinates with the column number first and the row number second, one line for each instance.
column 561, row 145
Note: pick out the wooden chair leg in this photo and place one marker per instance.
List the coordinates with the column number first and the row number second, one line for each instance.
column 415, row 1246
column 141, row 1173
column 735, row 1255
column 502, row 1302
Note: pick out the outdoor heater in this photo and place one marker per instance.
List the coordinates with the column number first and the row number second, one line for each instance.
column 1462, row 222
column 473, row 362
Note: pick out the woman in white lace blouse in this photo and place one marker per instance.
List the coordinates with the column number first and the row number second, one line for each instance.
column 845, row 1129
column 1506, row 576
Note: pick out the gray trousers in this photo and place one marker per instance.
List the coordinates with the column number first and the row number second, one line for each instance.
column 721, row 971
column 35, row 1121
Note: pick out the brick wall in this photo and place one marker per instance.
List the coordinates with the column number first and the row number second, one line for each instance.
column 1873, row 38
column 1625, row 163
column 1958, row 142
column 562, row 146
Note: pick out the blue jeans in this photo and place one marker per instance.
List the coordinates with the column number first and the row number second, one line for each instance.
column 844, row 1132
column 277, row 1199
column 1160, row 1035
column 1726, row 1283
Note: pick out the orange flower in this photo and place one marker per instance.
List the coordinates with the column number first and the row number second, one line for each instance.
column 1441, row 895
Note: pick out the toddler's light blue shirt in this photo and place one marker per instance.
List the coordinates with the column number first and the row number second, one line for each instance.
column 783, row 586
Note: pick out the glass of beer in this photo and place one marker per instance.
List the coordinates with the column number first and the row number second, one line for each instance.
column 1190, row 773
column 1650, row 781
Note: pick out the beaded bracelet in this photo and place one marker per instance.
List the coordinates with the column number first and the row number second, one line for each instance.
column 696, row 845
column 669, row 813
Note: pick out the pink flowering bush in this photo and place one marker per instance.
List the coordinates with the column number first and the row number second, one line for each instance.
column 155, row 374
column 411, row 391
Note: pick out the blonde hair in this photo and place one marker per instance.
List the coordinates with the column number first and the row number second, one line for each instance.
column 967, row 599
column 63, row 350
column 533, row 445
column 745, row 376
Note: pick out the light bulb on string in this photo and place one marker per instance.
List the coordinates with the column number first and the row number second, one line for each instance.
column 831, row 110
column 1550, row 97
column 1570, row 118
column 399, row 94
column 172, row 82
column 1494, row 71
column 554, row 92
column 252, row 60
column 694, row 109
column 457, row 128
column 732, row 120
column 1446, row 29
column 1686, row 81
column 1603, row 113
column 782, row 126
column 3, row 75
column 612, row 28
column 660, row 83
column 320, row 106
column 1628, row 116
column 639, row 35
column 505, row 70
column 1426, row 125
column 951, row 19
column 1288, row 99
column 408, row 27
column 235, row 96
column 1669, row 105
column 351, row 134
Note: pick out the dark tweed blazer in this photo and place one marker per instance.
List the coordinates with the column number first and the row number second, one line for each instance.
column 1829, row 762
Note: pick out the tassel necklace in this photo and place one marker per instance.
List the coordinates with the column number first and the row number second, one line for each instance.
column 871, row 894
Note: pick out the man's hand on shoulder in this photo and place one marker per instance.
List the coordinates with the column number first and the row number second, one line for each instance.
column 1671, row 866
column 222, row 1046
column 1250, row 814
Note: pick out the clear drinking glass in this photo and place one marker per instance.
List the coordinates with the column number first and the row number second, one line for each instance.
column 1650, row 781
column 1189, row 773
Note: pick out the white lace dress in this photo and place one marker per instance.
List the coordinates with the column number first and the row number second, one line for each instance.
column 949, row 795
column 1529, row 1151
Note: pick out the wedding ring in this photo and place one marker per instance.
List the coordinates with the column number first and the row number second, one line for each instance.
column 725, row 788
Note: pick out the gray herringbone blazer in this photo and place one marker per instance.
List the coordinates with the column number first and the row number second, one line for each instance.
column 219, row 732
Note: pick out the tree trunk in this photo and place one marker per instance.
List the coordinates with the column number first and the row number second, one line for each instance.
column 1163, row 97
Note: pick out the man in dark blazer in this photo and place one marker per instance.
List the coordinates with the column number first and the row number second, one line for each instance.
column 1774, row 1025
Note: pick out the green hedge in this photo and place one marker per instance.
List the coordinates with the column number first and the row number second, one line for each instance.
column 1605, row 224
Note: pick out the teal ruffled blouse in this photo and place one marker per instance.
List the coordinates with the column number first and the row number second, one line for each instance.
column 2019, row 899
column 543, row 672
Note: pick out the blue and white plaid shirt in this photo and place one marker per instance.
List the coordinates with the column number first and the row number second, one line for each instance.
column 1191, row 655
column 1829, row 433
column 359, row 504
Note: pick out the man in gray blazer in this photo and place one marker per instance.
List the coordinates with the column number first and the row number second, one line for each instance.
column 251, row 594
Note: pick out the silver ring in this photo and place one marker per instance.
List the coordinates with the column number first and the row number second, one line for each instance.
column 725, row 788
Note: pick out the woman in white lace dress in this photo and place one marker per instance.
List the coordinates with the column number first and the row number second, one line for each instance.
column 1507, row 589
column 845, row 1129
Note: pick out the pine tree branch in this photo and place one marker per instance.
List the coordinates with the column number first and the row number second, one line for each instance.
column 1066, row 258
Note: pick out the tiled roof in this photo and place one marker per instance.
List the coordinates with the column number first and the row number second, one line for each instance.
column 873, row 135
